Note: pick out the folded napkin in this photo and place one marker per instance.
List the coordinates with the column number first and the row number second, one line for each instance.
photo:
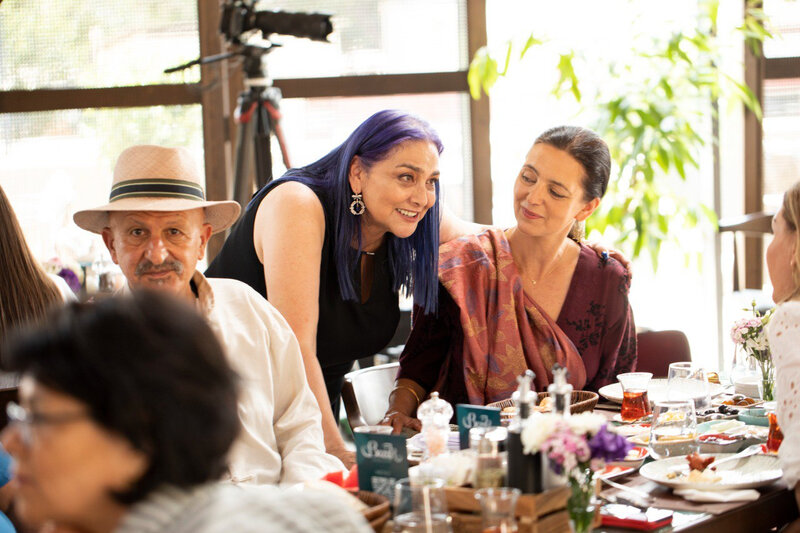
column 718, row 496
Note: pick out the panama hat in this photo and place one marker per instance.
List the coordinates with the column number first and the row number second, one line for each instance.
column 156, row 178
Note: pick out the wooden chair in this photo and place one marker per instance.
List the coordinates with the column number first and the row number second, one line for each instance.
column 657, row 349
column 751, row 225
column 365, row 393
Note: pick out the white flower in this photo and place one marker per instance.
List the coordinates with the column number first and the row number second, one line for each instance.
column 537, row 428
column 585, row 423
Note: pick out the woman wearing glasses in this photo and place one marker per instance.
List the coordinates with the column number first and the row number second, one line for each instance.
column 127, row 411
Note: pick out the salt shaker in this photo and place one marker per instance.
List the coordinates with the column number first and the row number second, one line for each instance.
column 560, row 391
column 435, row 415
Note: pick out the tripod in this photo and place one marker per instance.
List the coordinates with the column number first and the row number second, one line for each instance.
column 258, row 116
column 260, row 101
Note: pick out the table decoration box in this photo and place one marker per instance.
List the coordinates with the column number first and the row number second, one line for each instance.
column 545, row 512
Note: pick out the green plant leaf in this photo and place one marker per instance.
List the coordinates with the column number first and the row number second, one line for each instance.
column 567, row 76
column 532, row 41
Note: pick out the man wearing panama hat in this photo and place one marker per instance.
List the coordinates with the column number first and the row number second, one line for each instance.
column 156, row 226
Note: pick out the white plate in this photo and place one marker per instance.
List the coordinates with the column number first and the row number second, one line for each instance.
column 656, row 391
column 416, row 444
column 747, row 473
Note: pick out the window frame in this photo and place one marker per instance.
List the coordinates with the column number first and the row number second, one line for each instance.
column 221, row 82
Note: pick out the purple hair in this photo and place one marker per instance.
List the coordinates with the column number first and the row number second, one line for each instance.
column 413, row 260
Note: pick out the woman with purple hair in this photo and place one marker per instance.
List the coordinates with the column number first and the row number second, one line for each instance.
column 331, row 245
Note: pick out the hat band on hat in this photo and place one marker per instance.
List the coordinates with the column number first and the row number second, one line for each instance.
column 156, row 188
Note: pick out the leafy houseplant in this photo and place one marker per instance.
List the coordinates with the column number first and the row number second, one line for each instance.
column 651, row 112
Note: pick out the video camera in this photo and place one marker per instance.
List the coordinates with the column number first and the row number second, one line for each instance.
column 240, row 16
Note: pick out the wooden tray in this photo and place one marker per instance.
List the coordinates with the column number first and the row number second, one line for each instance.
column 536, row 513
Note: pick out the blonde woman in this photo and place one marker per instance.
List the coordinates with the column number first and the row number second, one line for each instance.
column 783, row 262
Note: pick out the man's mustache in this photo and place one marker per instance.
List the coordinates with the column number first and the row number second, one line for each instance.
column 147, row 267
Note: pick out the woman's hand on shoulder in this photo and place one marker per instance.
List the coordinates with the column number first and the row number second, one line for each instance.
column 606, row 252
column 399, row 420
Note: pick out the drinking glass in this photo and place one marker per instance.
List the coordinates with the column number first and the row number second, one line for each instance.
column 686, row 381
column 635, row 403
column 673, row 431
column 498, row 506
column 420, row 507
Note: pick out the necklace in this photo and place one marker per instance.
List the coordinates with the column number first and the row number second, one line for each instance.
column 549, row 270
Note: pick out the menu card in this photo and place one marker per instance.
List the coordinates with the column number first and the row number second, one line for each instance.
column 474, row 416
column 382, row 461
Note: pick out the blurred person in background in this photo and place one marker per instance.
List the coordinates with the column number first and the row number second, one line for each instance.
column 156, row 227
column 127, row 413
column 783, row 331
column 26, row 291
column 527, row 297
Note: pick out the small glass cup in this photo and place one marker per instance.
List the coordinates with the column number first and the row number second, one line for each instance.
column 686, row 381
column 498, row 509
column 420, row 507
column 673, row 431
column 635, row 403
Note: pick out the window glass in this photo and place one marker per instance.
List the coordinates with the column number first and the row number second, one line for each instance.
column 55, row 163
column 784, row 22
column 781, row 139
column 374, row 37
column 315, row 126
column 102, row 43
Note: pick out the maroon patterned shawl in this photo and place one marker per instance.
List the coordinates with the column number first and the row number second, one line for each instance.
column 505, row 331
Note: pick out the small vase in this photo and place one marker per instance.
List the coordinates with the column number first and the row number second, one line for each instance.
column 580, row 507
column 767, row 387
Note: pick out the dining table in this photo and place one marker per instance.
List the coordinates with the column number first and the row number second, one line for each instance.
column 775, row 507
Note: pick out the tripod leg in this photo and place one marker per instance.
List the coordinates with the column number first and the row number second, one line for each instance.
column 242, row 184
column 262, row 147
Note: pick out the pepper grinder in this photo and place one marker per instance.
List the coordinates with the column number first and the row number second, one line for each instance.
column 560, row 391
column 435, row 414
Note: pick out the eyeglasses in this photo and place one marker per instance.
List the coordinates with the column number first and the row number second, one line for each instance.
column 26, row 420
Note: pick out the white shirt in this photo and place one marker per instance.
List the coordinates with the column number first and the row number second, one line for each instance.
column 281, row 437
column 783, row 333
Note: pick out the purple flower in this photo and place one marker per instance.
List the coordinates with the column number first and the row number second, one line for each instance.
column 609, row 446
column 71, row 278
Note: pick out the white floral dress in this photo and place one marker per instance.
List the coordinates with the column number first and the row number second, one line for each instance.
column 784, row 341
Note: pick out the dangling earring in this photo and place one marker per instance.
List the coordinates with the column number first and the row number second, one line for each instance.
column 357, row 207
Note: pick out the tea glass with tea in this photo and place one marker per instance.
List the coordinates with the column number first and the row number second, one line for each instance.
column 673, row 431
column 775, row 436
column 635, row 403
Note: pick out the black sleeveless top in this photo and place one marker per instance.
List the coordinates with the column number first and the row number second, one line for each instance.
column 347, row 330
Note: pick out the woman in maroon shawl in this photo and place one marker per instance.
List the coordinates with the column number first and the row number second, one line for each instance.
column 527, row 297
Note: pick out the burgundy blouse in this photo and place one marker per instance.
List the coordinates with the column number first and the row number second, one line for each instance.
column 596, row 316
